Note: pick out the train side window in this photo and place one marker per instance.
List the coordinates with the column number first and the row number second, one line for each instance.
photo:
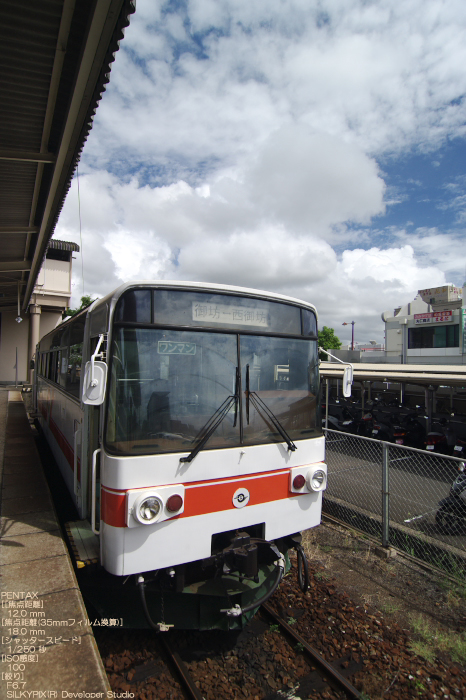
column 73, row 376
column 53, row 366
column 63, row 367
column 76, row 332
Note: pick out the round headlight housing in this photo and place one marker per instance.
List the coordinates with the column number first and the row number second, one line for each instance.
column 317, row 480
column 148, row 509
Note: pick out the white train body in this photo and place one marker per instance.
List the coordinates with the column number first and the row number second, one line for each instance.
column 198, row 410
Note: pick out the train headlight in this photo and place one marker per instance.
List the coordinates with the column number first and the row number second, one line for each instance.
column 317, row 480
column 148, row 509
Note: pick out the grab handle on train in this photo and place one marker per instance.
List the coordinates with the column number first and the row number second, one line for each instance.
column 93, row 490
column 77, row 440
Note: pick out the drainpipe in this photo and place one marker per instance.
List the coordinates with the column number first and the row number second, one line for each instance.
column 34, row 331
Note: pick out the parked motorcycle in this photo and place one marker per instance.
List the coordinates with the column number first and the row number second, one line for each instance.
column 333, row 423
column 443, row 439
column 451, row 514
column 359, row 426
column 409, row 431
column 402, row 430
column 459, row 448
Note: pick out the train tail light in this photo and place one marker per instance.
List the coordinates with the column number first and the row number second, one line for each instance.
column 299, row 481
column 174, row 503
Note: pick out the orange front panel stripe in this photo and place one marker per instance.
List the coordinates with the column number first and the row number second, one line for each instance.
column 212, row 497
column 216, row 497
column 112, row 508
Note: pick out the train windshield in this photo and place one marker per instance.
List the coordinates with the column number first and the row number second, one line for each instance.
column 167, row 385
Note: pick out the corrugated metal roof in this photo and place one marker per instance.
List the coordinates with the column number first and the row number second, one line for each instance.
column 55, row 244
column 55, row 58
column 437, row 375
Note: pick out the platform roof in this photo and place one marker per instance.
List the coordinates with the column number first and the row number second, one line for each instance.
column 55, row 59
column 435, row 375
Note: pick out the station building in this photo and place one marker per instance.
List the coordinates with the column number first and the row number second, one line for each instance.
column 21, row 331
column 428, row 330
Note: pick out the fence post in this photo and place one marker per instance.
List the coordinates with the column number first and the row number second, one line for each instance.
column 385, row 496
column 326, row 403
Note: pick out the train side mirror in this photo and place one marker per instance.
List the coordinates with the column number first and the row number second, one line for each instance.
column 94, row 383
column 347, row 381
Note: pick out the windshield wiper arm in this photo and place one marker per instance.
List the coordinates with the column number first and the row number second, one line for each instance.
column 214, row 421
column 259, row 404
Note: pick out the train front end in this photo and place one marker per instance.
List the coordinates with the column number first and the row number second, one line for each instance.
column 211, row 461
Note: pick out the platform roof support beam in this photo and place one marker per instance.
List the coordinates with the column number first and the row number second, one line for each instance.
column 27, row 156
column 15, row 266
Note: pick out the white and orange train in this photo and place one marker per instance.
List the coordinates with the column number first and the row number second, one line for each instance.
column 185, row 420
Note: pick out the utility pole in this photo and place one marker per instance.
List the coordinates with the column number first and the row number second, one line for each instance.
column 352, row 332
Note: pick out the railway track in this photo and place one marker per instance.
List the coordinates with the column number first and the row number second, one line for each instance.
column 327, row 673
column 182, row 673
column 262, row 664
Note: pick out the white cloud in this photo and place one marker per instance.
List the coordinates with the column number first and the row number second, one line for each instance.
column 313, row 180
column 237, row 142
column 206, row 85
column 138, row 255
column 267, row 258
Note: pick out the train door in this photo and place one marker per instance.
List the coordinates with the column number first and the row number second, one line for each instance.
column 93, row 426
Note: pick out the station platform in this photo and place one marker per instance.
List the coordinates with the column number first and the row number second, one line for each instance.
column 48, row 647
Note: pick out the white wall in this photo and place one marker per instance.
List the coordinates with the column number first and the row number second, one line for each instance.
column 16, row 335
column 54, row 276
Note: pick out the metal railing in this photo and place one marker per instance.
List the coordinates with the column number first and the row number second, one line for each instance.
column 392, row 492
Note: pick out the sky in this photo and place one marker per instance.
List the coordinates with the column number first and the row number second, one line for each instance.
column 314, row 148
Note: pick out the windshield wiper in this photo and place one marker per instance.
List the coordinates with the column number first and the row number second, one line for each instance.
column 254, row 398
column 214, row 421
column 259, row 404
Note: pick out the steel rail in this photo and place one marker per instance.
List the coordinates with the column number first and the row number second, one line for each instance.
column 183, row 674
column 331, row 675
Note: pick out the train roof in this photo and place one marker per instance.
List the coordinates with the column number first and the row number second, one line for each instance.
column 199, row 286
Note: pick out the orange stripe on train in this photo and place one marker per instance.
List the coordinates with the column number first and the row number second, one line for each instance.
column 209, row 498
column 213, row 498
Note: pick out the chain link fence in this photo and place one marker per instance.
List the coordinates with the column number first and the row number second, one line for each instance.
column 393, row 493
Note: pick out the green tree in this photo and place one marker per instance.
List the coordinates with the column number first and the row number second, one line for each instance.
column 86, row 301
column 328, row 341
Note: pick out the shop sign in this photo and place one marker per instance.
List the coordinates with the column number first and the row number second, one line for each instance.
column 419, row 319
column 433, row 317
column 443, row 316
